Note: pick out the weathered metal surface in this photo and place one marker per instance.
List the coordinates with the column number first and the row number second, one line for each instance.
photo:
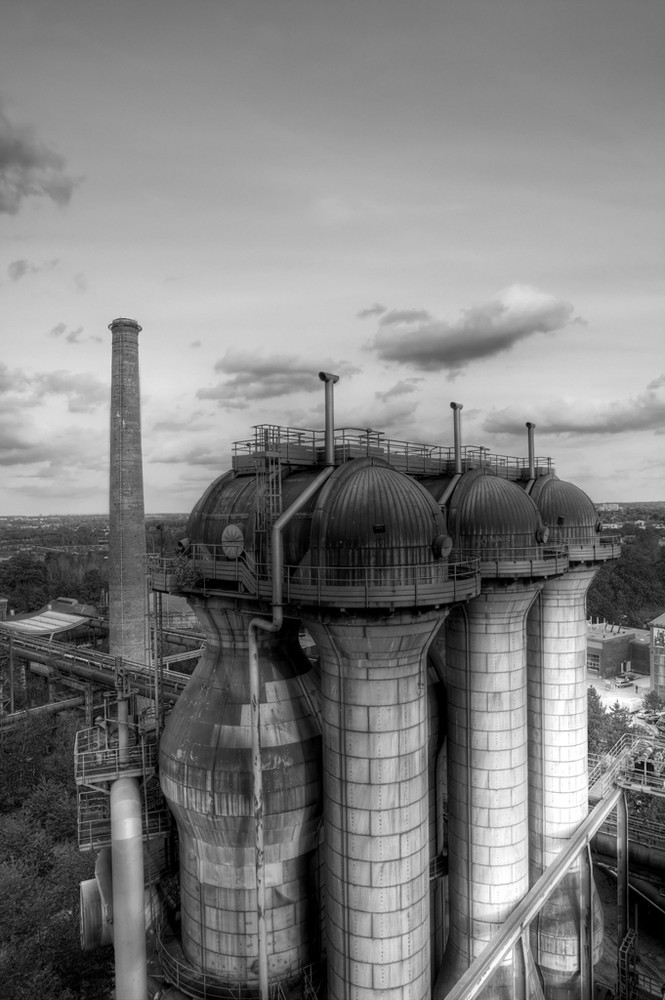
column 206, row 776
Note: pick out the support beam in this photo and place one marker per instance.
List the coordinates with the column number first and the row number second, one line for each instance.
column 477, row 975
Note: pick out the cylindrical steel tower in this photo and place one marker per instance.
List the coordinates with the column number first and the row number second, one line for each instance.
column 381, row 596
column 485, row 657
column 558, row 751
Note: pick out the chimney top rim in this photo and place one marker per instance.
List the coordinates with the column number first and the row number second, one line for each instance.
column 122, row 321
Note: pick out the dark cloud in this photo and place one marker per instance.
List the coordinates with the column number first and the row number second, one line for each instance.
column 58, row 329
column 74, row 336
column 19, row 268
column 82, row 392
column 254, row 377
column 376, row 310
column 16, row 448
column 19, row 390
column 646, row 412
column 61, row 454
column 29, row 168
column 481, row 331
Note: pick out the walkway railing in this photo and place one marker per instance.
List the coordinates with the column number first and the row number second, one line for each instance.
column 378, row 577
column 97, row 759
column 305, row 446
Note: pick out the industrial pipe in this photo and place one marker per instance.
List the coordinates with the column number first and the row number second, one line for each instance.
column 274, row 625
column 98, row 676
column 457, row 442
column 131, row 976
column 457, row 436
column 52, row 708
column 532, row 459
column 330, row 381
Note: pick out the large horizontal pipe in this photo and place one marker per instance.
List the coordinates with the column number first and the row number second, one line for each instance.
column 52, row 708
column 105, row 678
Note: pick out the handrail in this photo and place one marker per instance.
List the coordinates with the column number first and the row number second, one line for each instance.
column 373, row 577
column 305, row 445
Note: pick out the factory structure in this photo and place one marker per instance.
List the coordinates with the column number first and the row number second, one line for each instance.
column 381, row 755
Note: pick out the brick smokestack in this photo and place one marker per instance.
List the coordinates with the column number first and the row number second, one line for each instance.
column 127, row 549
column 127, row 631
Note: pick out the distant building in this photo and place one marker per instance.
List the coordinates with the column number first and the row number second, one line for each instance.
column 657, row 631
column 612, row 649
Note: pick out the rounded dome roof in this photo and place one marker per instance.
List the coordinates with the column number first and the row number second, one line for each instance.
column 485, row 506
column 232, row 500
column 367, row 504
column 563, row 504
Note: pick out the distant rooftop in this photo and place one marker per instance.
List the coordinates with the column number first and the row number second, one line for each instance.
column 58, row 617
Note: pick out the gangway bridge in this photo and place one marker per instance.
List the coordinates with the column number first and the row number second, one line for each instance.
column 79, row 665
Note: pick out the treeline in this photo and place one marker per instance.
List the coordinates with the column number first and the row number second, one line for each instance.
column 41, row 868
column 630, row 590
column 29, row 583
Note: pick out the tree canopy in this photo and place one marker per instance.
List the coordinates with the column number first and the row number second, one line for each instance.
column 631, row 589
column 41, row 869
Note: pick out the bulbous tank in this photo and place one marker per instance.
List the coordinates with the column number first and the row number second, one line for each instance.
column 206, row 777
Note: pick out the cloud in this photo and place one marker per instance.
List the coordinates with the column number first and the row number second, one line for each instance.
column 254, row 377
column 74, row 336
column 209, row 458
column 645, row 412
column 398, row 316
column 80, row 282
column 57, row 453
column 19, row 390
column 29, row 168
column 190, row 423
column 404, row 387
column 414, row 338
column 83, row 392
column 375, row 310
column 19, row 268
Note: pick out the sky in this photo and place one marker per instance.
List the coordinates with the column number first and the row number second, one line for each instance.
column 437, row 200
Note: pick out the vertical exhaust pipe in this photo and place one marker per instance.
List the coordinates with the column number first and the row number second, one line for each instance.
column 457, row 432
column 532, row 455
column 329, row 416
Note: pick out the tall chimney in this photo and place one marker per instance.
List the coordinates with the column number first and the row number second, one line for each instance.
column 127, row 640
column 127, row 597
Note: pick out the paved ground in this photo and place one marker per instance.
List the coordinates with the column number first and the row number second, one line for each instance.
column 628, row 696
